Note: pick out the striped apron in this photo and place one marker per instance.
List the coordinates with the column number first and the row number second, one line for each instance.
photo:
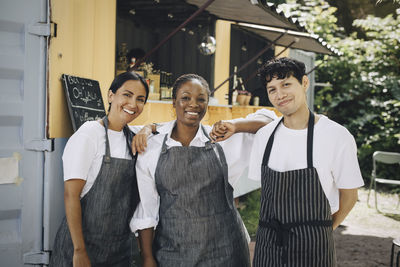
column 199, row 224
column 295, row 227
column 106, row 211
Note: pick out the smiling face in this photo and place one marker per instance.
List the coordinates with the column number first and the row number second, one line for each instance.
column 288, row 95
column 191, row 103
column 127, row 102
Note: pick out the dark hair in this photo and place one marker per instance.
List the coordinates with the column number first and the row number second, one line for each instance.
column 282, row 68
column 137, row 53
column 186, row 78
column 127, row 76
column 115, row 85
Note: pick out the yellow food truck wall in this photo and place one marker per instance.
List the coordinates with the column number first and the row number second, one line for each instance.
column 84, row 47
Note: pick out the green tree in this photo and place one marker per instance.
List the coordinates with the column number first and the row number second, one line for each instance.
column 365, row 79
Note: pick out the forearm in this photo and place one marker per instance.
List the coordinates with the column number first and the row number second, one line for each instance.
column 146, row 242
column 249, row 126
column 347, row 200
column 73, row 213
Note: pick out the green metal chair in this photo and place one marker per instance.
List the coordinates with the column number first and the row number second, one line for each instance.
column 385, row 158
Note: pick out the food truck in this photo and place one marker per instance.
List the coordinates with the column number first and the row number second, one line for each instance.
column 41, row 40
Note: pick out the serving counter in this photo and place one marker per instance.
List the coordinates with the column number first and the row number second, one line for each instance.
column 162, row 111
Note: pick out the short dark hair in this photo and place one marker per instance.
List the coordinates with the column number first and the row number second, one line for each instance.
column 186, row 78
column 127, row 76
column 282, row 68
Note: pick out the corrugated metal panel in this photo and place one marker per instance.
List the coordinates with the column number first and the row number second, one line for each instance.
column 53, row 210
column 22, row 107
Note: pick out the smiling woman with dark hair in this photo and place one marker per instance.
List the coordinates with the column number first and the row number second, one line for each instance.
column 100, row 188
column 185, row 189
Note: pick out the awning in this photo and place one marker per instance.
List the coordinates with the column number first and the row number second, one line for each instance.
column 303, row 40
column 249, row 11
column 267, row 22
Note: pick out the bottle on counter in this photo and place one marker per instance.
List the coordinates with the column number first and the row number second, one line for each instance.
column 169, row 85
column 163, row 85
column 256, row 101
column 234, row 97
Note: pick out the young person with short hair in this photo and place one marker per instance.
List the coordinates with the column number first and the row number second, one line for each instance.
column 309, row 175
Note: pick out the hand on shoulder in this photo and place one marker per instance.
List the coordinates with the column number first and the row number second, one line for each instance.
column 139, row 141
column 222, row 130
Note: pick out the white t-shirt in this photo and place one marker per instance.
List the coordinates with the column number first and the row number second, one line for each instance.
column 236, row 149
column 85, row 149
column 334, row 155
column 262, row 114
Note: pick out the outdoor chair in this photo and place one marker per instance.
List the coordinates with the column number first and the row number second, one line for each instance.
column 395, row 243
column 385, row 158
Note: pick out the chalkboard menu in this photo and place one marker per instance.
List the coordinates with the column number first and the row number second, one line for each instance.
column 84, row 100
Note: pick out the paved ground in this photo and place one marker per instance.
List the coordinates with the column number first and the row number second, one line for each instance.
column 365, row 238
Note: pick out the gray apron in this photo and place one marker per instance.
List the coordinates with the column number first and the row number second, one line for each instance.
column 106, row 211
column 199, row 224
column 295, row 227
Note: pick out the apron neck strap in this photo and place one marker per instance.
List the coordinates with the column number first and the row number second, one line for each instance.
column 105, row 122
column 164, row 144
column 268, row 149
column 310, row 137
column 208, row 144
column 128, row 136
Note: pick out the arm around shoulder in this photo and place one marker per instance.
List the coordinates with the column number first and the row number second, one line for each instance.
column 222, row 130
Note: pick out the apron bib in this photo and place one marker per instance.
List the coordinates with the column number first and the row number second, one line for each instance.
column 199, row 224
column 295, row 227
column 106, row 211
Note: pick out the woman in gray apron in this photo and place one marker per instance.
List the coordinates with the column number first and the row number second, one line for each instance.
column 295, row 227
column 198, row 224
column 96, row 230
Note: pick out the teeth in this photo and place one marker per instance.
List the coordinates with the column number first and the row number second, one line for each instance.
column 128, row 111
column 192, row 113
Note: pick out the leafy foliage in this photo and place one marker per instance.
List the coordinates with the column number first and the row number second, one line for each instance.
column 380, row 1
column 364, row 95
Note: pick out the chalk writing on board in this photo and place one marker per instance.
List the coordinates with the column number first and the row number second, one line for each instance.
column 84, row 99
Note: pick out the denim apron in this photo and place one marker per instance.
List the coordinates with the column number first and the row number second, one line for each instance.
column 295, row 227
column 106, row 211
column 199, row 224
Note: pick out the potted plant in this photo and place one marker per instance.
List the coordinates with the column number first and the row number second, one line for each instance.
column 243, row 97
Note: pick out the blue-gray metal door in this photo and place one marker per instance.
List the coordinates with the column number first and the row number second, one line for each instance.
column 24, row 33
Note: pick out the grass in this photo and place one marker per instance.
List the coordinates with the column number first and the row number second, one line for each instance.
column 249, row 208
